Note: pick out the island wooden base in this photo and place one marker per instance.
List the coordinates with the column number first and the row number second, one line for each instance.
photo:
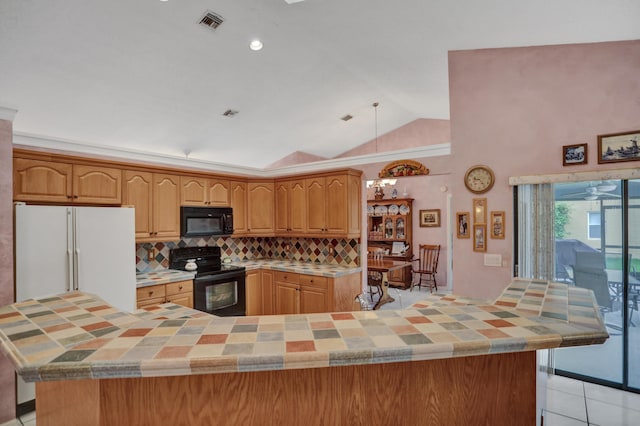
column 488, row 390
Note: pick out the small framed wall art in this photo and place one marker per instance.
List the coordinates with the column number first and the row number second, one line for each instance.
column 430, row 217
column 479, row 210
column 497, row 225
column 617, row 147
column 480, row 237
column 574, row 154
column 462, row 222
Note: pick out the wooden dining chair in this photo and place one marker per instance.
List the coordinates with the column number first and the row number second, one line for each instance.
column 427, row 266
column 374, row 278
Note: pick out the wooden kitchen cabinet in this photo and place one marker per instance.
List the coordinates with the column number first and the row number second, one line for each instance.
column 268, row 292
column 253, row 292
column 333, row 205
column 303, row 294
column 48, row 181
column 198, row 191
column 313, row 294
column 259, row 292
column 253, row 206
column 155, row 198
column 239, row 206
column 260, row 207
column 180, row 293
column 291, row 205
column 287, row 288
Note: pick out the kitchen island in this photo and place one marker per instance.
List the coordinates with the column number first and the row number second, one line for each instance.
column 445, row 360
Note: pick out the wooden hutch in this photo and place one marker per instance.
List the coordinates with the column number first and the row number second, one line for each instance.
column 389, row 226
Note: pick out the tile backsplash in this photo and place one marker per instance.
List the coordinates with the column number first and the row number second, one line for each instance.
column 155, row 256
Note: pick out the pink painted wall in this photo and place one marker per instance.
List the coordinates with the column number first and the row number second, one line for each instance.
column 420, row 132
column 297, row 157
column 7, row 373
column 513, row 109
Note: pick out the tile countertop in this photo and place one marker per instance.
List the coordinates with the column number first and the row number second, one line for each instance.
column 144, row 279
column 308, row 268
column 165, row 276
column 78, row 336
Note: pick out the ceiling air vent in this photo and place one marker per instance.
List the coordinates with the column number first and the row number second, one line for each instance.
column 211, row 20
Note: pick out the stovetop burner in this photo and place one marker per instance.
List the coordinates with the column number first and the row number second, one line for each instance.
column 206, row 258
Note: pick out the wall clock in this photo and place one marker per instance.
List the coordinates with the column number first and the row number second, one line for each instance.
column 479, row 179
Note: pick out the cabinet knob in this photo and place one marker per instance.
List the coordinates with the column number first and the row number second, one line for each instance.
column 180, row 288
column 150, row 293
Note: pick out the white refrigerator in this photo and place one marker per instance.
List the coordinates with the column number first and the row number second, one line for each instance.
column 60, row 249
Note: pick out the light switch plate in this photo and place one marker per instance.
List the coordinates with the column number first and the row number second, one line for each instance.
column 492, row 260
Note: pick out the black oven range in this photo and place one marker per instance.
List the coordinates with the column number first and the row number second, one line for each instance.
column 218, row 288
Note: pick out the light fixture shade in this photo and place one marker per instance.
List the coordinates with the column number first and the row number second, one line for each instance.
column 606, row 187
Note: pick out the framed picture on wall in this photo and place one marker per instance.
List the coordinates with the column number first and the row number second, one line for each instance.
column 430, row 217
column 574, row 154
column 480, row 210
column 480, row 237
column 462, row 223
column 497, row 225
column 617, row 147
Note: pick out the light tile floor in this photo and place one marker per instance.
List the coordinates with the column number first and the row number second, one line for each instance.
column 573, row 403
column 569, row 403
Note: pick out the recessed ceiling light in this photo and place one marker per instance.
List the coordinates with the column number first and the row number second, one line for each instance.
column 255, row 45
column 229, row 113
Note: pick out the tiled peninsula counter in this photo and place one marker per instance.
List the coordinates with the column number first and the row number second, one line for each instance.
column 446, row 360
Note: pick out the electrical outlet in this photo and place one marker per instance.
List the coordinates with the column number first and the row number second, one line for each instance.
column 152, row 253
column 330, row 250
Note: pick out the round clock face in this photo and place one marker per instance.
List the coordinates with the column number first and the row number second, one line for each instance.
column 479, row 179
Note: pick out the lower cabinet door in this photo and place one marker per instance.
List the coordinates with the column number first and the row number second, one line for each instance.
column 253, row 286
column 313, row 300
column 185, row 299
column 268, row 293
column 287, row 298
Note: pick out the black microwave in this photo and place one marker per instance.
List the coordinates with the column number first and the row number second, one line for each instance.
column 205, row 221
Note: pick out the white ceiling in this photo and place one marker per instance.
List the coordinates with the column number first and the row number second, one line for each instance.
column 143, row 75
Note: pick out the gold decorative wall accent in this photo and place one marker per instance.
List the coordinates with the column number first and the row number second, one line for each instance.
column 403, row 168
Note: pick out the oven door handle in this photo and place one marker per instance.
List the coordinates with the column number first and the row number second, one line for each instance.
column 220, row 277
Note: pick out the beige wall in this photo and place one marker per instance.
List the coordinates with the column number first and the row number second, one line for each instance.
column 513, row 109
column 7, row 374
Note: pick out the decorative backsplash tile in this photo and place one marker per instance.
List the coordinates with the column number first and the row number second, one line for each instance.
column 316, row 250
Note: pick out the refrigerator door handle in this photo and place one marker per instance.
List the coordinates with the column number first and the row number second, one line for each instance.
column 70, row 269
column 76, row 270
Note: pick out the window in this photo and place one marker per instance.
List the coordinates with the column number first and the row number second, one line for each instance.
column 594, row 230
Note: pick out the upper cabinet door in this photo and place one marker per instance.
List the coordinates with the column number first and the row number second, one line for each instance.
column 193, row 191
column 35, row 180
column 97, row 185
column 282, row 207
column 218, row 193
column 297, row 207
column 315, row 204
column 137, row 192
column 166, row 206
column 239, row 206
column 337, row 206
column 260, row 205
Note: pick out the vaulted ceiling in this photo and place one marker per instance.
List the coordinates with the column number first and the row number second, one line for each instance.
column 144, row 76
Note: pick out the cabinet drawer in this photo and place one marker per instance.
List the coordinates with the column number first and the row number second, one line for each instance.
column 150, row 292
column 150, row 302
column 287, row 277
column 313, row 281
column 180, row 287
